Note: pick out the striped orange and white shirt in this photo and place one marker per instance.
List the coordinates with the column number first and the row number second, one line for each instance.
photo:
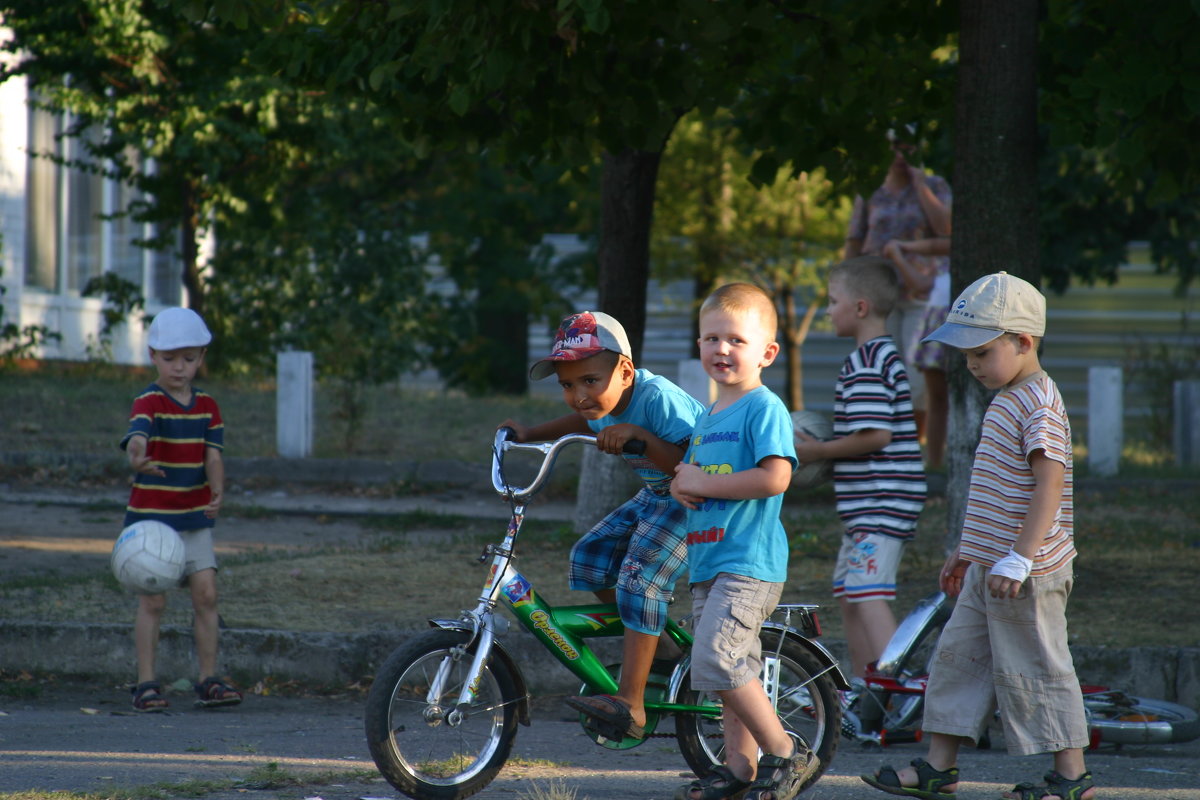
column 1020, row 420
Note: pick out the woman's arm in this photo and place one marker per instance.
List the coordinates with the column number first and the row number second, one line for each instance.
column 937, row 212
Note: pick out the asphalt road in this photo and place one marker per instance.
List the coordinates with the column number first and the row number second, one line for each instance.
column 81, row 738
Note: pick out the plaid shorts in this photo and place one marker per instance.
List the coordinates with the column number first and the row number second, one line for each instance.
column 639, row 548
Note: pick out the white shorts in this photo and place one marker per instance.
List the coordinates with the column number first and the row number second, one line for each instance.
column 198, row 553
column 866, row 568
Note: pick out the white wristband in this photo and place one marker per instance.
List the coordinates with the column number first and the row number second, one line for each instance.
column 1014, row 566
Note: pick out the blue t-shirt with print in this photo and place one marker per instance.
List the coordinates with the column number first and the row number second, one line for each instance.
column 742, row 537
column 665, row 410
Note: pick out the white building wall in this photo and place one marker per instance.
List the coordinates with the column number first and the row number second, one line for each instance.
column 77, row 319
column 13, row 136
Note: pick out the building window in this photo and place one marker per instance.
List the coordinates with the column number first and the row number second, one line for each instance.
column 75, row 231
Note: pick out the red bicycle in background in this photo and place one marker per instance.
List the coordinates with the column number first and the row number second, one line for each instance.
column 887, row 708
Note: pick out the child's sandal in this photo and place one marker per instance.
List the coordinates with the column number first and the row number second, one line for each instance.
column 147, row 698
column 931, row 782
column 719, row 784
column 782, row 778
column 1055, row 786
column 212, row 692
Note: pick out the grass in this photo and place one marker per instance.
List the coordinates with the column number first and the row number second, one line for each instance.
column 42, row 417
column 42, row 414
column 1139, row 554
column 1139, row 546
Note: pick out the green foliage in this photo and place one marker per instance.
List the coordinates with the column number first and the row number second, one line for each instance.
column 121, row 299
column 21, row 342
column 487, row 226
column 715, row 221
column 1120, row 107
column 1158, row 366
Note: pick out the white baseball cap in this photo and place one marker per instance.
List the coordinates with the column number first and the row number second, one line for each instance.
column 993, row 305
column 582, row 336
column 176, row 328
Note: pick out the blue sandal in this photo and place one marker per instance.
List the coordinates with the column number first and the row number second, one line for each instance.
column 1055, row 786
column 148, row 699
column 212, row 692
column 931, row 782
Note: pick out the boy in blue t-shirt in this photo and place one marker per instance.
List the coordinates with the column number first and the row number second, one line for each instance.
column 739, row 463
column 635, row 554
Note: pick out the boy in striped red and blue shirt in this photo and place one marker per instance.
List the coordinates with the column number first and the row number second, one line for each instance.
column 174, row 445
column 878, row 471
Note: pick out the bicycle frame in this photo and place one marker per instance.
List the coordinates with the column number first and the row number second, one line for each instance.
column 563, row 631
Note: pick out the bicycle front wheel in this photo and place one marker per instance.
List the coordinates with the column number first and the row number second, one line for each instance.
column 807, row 706
column 1119, row 718
column 424, row 745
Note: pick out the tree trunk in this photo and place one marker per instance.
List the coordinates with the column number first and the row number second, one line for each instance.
column 623, row 259
column 995, row 191
column 627, row 212
column 795, row 332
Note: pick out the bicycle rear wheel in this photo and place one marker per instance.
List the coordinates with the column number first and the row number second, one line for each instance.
column 425, row 746
column 1119, row 718
column 807, row 706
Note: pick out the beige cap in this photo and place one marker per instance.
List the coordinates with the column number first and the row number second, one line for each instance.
column 994, row 304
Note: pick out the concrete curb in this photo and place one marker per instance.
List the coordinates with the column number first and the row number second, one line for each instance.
column 324, row 658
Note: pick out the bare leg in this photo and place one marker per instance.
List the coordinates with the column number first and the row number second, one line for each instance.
column 751, row 724
column 869, row 626
column 205, row 627
column 638, row 655
column 145, row 633
column 937, row 412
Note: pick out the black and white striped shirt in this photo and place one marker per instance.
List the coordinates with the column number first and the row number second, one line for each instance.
column 884, row 491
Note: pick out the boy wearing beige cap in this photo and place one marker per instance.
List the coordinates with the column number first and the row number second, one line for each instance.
column 1006, row 642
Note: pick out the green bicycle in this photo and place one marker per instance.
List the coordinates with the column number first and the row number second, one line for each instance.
column 443, row 711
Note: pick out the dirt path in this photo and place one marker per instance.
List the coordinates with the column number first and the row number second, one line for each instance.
column 38, row 540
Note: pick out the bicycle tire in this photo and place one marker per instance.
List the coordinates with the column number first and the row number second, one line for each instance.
column 416, row 744
column 808, row 707
column 1119, row 718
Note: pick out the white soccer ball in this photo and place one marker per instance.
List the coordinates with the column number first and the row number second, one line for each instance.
column 148, row 557
column 818, row 426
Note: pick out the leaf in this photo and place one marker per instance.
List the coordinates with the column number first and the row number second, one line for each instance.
column 459, row 100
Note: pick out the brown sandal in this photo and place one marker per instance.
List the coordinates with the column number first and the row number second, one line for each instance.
column 720, row 784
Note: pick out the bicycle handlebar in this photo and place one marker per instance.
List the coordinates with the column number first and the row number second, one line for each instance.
column 549, row 451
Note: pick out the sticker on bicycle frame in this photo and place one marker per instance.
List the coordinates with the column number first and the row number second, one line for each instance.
column 600, row 620
column 518, row 591
column 541, row 621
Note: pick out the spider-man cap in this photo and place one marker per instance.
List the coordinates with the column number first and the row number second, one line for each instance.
column 581, row 336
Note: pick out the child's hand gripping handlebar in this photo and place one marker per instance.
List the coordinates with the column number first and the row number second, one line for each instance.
column 549, row 451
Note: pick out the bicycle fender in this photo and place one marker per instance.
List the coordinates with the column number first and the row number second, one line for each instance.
column 828, row 662
column 930, row 610
column 500, row 653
